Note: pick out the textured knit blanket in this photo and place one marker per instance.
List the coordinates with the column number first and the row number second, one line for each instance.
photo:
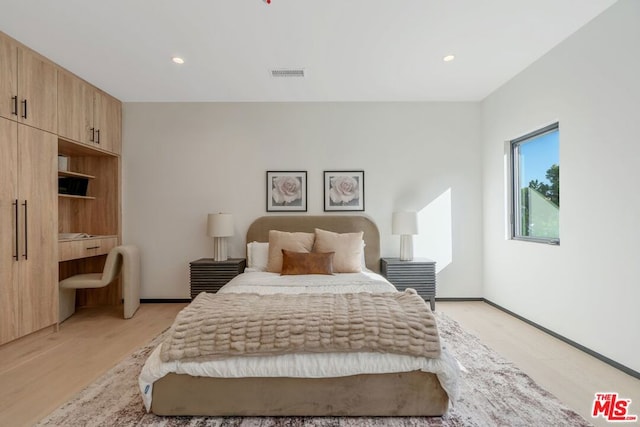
column 216, row 326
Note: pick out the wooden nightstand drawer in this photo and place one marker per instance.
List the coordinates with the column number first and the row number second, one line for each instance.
column 208, row 275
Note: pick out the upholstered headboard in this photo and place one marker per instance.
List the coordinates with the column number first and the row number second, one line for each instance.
column 259, row 230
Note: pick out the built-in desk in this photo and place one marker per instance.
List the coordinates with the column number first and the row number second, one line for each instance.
column 85, row 247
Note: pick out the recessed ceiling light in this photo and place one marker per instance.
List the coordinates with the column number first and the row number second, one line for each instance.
column 177, row 60
column 449, row 58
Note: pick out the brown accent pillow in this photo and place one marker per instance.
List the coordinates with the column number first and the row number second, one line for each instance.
column 347, row 248
column 306, row 262
column 279, row 240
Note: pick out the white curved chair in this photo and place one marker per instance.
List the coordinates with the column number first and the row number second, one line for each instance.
column 121, row 258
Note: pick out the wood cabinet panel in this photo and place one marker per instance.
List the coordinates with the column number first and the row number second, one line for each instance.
column 88, row 115
column 75, row 108
column 8, row 226
column 8, row 78
column 108, row 122
column 37, row 91
column 38, row 274
column 29, row 283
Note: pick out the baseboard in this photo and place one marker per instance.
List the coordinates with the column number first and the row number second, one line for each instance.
column 164, row 300
column 448, row 299
column 587, row 350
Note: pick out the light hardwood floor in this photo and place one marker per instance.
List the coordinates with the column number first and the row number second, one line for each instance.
column 39, row 373
column 570, row 374
column 42, row 371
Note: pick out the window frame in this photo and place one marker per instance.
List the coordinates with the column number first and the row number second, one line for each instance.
column 514, row 178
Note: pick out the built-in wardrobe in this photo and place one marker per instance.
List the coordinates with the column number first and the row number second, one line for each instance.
column 47, row 112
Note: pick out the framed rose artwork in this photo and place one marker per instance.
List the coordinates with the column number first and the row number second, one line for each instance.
column 286, row 191
column 343, row 191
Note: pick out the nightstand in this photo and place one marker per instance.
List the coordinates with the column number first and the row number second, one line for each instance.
column 419, row 274
column 208, row 275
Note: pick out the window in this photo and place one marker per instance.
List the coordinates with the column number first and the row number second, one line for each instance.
column 535, row 171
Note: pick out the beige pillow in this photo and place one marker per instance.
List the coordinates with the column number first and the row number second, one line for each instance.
column 347, row 248
column 279, row 240
column 306, row 263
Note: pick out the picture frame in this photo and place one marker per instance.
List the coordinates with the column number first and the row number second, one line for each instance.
column 286, row 191
column 344, row 190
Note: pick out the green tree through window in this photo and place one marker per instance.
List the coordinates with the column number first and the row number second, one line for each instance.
column 536, row 185
column 551, row 191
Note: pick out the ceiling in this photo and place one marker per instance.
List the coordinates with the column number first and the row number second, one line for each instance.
column 351, row 50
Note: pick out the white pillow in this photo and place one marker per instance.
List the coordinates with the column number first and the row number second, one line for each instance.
column 257, row 255
column 363, row 261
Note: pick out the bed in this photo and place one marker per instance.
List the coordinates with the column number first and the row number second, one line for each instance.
column 357, row 383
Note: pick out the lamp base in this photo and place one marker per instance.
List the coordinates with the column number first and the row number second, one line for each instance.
column 220, row 249
column 406, row 247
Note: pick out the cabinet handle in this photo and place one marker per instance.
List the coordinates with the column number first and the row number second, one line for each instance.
column 26, row 235
column 93, row 133
column 15, row 105
column 17, row 236
column 24, row 109
column 98, row 136
column 93, row 247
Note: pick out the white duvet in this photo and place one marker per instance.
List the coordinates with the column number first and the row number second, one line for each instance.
column 303, row 365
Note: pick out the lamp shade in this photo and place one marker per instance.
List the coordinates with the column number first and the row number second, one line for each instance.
column 404, row 223
column 220, row 225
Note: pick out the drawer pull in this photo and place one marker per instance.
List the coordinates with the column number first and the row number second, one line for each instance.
column 93, row 247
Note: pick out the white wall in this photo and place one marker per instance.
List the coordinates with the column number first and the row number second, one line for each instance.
column 587, row 289
column 184, row 160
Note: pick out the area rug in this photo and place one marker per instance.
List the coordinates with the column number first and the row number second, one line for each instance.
column 494, row 392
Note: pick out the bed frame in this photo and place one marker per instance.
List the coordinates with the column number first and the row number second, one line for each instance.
column 395, row 394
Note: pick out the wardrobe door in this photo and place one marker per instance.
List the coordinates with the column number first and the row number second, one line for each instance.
column 38, row 231
column 8, row 79
column 37, row 91
column 108, row 121
column 75, row 109
column 8, row 264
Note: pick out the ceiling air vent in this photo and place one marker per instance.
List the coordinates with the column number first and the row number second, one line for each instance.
column 288, row 72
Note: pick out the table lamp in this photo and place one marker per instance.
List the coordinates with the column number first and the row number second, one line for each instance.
column 220, row 226
column 406, row 225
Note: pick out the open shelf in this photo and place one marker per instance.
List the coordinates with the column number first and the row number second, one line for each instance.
column 71, row 196
column 75, row 174
column 75, row 149
column 94, row 209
